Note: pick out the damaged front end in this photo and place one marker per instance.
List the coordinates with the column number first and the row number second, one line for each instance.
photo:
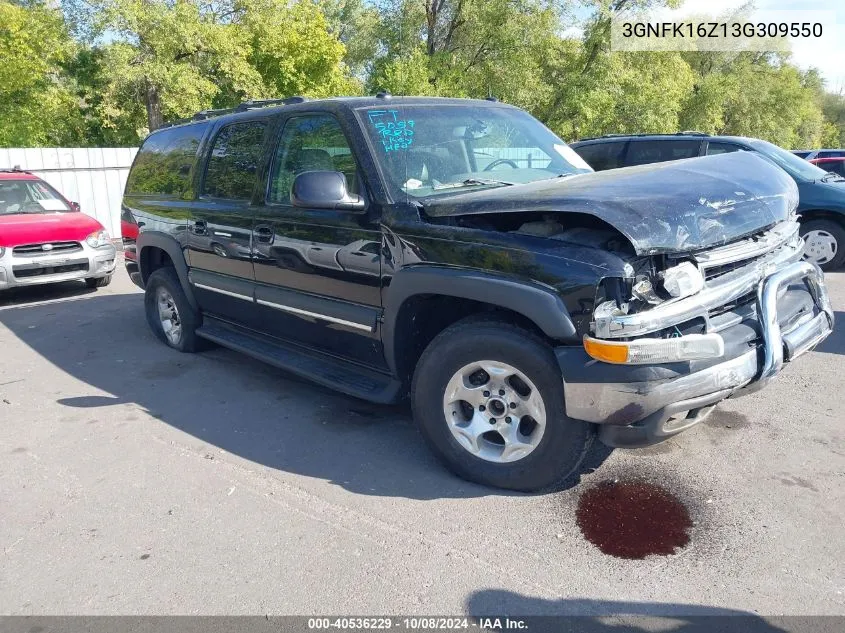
column 683, row 333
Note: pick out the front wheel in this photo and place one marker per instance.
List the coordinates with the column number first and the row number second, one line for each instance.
column 824, row 243
column 488, row 398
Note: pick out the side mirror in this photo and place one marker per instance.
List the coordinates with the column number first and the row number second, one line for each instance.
column 324, row 190
column 75, row 206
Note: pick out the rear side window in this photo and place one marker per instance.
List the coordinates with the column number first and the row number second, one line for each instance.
column 801, row 154
column 233, row 161
column 658, row 151
column 721, row 148
column 601, row 156
column 831, row 154
column 163, row 164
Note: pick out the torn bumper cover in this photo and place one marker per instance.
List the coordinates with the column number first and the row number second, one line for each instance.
column 789, row 314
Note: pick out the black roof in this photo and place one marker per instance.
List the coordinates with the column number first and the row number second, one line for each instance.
column 330, row 103
column 657, row 137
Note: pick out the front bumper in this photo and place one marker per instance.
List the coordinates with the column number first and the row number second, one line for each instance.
column 34, row 268
column 642, row 405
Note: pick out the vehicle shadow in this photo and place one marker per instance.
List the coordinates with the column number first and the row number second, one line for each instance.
column 835, row 343
column 29, row 294
column 229, row 401
column 611, row 616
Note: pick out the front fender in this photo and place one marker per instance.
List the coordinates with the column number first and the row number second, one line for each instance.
column 540, row 304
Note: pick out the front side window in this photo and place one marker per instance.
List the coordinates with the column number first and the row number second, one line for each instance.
column 29, row 196
column 441, row 149
column 311, row 143
column 831, row 154
column 233, row 162
column 714, row 147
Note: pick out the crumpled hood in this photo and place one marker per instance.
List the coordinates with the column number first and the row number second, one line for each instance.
column 34, row 228
column 672, row 207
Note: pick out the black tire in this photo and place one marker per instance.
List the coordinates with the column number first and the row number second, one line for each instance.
column 834, row 230
column 190, row 319
column 98, row 282
column 563, row 446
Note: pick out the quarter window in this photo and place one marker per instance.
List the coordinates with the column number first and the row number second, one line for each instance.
column 163, row 165
column 234, row 160
column 311, row 143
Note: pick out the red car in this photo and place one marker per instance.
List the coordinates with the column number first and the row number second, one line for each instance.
column 44, row 238
column 836, row 165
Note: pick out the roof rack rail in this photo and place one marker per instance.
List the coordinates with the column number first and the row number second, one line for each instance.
column 691, row 133
column 252, row 104
column 202, row 115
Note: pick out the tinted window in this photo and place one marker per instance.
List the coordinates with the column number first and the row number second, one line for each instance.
column 601, row 156
column 714, row 147
column 234, row 160
column 836, row 166
column 831, row 154
column 801, row 154
column 163, row 164
column 311, row 143
column 644, row 152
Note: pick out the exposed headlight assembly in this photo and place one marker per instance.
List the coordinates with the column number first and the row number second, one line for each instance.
column 98, row 239
column 683, row 280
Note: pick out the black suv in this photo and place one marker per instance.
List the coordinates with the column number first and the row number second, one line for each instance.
column 821, row 204
column 459, row 252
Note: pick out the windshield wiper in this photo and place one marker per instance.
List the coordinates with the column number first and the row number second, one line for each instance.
column 471, row 182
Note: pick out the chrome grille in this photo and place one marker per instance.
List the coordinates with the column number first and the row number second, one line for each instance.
column 46, row 248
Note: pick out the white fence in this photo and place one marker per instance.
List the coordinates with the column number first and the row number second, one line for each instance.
column 92, row 176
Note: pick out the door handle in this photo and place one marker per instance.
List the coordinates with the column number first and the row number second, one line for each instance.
column 264, row 233
column 200, row 227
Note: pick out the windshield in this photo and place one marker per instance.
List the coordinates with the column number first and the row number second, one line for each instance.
column 29, row 196
column 430, row 150
column 789, row 162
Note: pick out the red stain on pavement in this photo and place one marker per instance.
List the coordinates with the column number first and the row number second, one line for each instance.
column 633, row 519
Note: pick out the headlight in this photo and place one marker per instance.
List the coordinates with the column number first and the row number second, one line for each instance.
column 683, row 280
column 98, row 239
column 656, row 350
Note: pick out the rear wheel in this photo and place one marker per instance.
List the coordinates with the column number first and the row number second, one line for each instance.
column 169, row 314
column 98, row 282
column 824, row 243
column 488, row 398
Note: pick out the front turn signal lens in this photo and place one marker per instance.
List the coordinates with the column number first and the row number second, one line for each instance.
column 646, row 351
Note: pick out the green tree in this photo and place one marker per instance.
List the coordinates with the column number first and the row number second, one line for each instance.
column 36, row 105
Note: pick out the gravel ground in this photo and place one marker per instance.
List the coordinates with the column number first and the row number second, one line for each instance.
column 137, row 480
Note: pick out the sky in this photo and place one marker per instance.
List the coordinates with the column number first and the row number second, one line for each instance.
column 827, row 54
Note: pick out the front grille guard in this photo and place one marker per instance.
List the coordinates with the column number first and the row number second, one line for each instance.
column 801, row 337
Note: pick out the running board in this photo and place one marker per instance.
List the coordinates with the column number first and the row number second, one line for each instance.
column 339, row 375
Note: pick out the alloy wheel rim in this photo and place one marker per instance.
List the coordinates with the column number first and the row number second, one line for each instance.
column 820, row 247
column 494, row 411
column 168, row 315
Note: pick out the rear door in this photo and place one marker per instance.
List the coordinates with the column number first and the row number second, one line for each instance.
column 220, row 227
column 318, row 271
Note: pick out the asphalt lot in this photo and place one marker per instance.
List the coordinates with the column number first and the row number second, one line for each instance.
column 137, row 480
